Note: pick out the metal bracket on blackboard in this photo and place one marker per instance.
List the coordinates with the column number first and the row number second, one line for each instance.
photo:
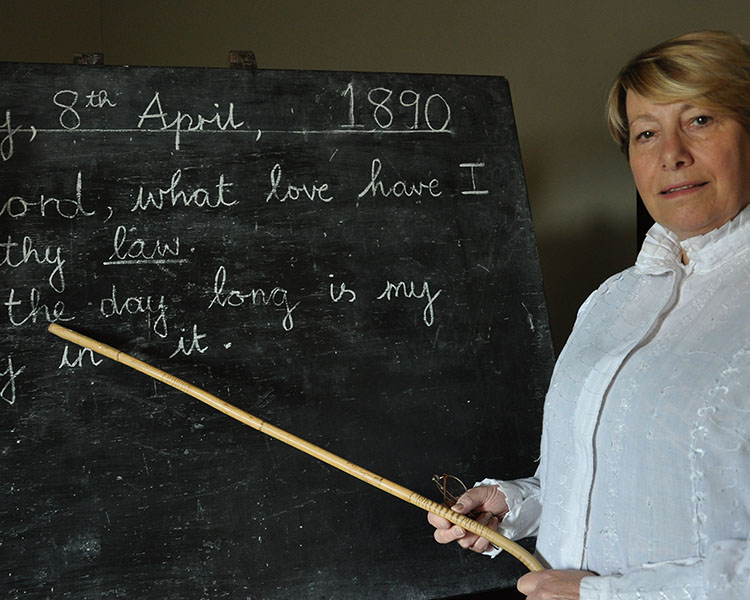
column 242, row 59
column 238, row 59
column 88, row 58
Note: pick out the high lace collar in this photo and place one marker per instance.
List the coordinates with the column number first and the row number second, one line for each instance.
column 662, row 251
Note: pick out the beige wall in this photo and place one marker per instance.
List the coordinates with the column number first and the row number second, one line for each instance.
column 559, row 57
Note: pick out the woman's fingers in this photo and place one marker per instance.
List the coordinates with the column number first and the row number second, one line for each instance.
column 476, row 543
column 476, row 498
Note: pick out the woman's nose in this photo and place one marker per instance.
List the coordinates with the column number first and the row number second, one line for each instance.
column 675, row 151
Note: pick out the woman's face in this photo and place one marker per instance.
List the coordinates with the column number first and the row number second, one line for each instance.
column 691, row 165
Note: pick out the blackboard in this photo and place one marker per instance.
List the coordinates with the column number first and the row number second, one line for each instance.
column 349, row 256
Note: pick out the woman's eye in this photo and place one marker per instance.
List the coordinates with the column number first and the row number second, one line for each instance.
column 702, row 120
column 644, row 135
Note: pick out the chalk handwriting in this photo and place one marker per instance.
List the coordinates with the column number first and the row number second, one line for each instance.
column 139, row 251
column 426, row 115
column 393, row 291
column 16, row 207
column 79, row 354
column 175, row 196
column 8, row 379
column 194, row 344
column 256, row 297
column 474, row 190
column 342, row 293
column 99, row 99
column 14, row 255
column 295, row 192
column 137, row 305
column 184, row 121
column 7, row 144
column 69, row 117
column 399, row 188
column 36, row 309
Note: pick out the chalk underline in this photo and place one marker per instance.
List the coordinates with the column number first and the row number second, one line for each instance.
column 151, row 261
column 254, row 132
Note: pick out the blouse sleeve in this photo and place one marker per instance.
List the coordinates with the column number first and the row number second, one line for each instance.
column 524, row 508
column 724, row 573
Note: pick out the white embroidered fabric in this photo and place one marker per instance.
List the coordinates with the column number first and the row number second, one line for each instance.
column 645, row 458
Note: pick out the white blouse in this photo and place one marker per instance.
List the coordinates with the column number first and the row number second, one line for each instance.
column 645, row 459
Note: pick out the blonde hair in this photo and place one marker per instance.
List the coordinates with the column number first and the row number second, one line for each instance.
column 711, row 68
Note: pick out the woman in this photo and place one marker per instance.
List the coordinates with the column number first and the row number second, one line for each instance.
column 643, row 489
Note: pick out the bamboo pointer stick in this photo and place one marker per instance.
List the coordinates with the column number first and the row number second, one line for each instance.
column 335, row 461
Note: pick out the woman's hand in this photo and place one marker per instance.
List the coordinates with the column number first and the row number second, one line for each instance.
column 486, row 499
column 552, row 585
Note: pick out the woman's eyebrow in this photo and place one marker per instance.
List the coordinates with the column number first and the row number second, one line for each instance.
column 642, row 117
column 648, row 117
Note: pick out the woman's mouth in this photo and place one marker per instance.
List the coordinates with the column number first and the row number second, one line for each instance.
column 681, row 188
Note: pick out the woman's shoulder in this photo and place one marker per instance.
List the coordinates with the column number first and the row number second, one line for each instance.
column 613, row 289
